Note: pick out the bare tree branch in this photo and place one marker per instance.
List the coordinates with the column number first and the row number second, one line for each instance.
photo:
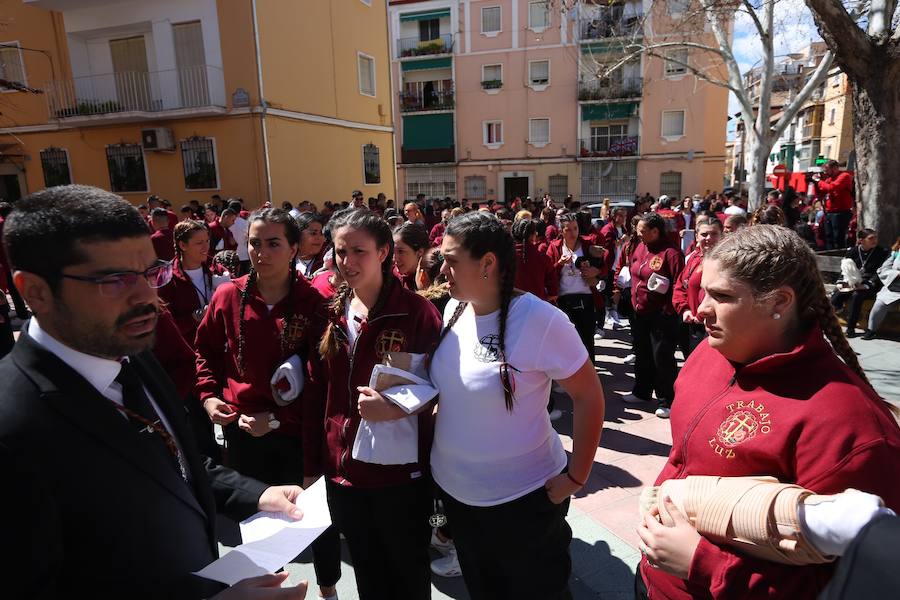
column 751, row 11
column 814, row 81
column 852, row 48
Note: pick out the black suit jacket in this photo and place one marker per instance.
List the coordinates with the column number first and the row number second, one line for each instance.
column 84, row 510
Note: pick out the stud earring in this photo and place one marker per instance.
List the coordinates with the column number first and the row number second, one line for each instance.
column 484, row 275
column 776, row 316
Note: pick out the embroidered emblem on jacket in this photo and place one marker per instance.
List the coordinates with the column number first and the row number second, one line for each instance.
column 744, row 422
column 389, row 340
column 656, row 262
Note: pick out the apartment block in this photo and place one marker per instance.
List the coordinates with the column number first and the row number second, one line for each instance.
column 267, row 100
column 506, row 98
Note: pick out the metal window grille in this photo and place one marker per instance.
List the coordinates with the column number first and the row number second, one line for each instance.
column 199, row 160
column 55, row 164
column 11, row 67
column 476, row 188
column 670, row 184
column 559, row 186
column 490, row 19
column 372, row 163
column 126, row 168
column 434, row 182
column 613, row 179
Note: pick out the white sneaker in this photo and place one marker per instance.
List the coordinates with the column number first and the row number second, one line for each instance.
column 662, row 412
column 598, row 334
column 439, row 544
column 632, row 399
column 629, row 360
column 447, row 566
column 555, row 414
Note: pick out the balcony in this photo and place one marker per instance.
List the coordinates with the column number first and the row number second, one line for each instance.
column 438, row 99
column 137, row 94
column 414, row 46
column 610, row 89
column 603, row 28
column 433, row 155
column 609, row 147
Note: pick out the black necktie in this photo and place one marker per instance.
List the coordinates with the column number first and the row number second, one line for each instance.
column 145, row 418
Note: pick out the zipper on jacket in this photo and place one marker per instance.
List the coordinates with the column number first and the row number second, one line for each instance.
column 696, row 421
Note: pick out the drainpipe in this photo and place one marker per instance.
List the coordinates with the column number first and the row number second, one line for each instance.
column 262, row 102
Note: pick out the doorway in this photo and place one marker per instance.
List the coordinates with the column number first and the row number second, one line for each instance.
column 515, row 187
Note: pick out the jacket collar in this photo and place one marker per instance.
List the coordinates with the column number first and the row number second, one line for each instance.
column 809, row 349
column 79, row 402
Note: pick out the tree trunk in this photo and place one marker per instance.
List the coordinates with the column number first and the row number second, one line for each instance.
column 876, row 135
column 756, row 179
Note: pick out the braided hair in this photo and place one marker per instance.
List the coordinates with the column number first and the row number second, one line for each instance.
column 363, row 220
column 292, row 235
column 522, row 230
column 480, row 233
column 766, row 257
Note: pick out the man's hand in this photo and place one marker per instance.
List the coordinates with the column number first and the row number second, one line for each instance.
column 266, row 587
column 256, row 424
column 219, row 412
column 373, row 407
column 281, row 499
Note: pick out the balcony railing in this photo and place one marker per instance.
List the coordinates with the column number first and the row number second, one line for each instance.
column 610, row 89
column 602, row 28
column 136, row 91
column 426, row 100
column 608, row 147
column 413, row 46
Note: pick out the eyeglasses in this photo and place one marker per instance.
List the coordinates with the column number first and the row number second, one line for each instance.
column 115, row 284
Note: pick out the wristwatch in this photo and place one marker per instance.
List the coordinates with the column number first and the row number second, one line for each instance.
column 273, row 422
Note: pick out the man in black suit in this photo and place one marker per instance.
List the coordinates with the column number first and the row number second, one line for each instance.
column 104, row 492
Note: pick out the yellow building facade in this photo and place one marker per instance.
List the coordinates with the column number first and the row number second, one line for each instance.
column 264, row 100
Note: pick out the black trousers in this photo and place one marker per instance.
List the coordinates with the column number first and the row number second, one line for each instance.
column 7, row 337
column 691, row 335
column 388, row 534
column 277, row 459
column 655, row 336
column 836, row 224
column 856, row 297
column 640, row 588
column 514, row 551
column 203, row 429
column 580, row 310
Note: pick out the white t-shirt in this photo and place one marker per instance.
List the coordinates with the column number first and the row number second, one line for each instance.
column 240, row 229
column 354, row 320
column 201, row 284
column 570, row 280
column 484, row 455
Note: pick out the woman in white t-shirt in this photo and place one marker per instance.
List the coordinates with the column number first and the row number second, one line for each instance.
column 499, row 464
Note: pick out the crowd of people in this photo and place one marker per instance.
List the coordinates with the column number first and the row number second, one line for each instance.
column 270, row 323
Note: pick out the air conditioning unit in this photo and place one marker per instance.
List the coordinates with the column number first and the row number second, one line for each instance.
column 158, row 138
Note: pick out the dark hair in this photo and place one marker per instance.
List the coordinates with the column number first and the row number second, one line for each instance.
column 292, row 235
column 522, row 230
column 5, row 209
column 235, row 205
column 364, row 220
column 413, row 235
column 711, row 222
column 184, row 231
column 833, row 163
column 186, row 208
column 652, row 220
column 770, row 214
column 228, row 213
column 480, row 233
column 159, row 213
column 41, row 235
column 287, row 206
column 304, row 220
column 431, row 264
column 864, row 233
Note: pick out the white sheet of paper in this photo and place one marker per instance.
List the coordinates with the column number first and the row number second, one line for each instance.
column 271, row 540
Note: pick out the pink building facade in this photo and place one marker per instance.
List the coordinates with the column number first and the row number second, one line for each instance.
column 501, row 98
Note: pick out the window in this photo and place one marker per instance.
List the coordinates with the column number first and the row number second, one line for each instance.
column 605, row 136
column 613, row 179
column 198, row 157
column 677, row 7
column 672, row 123
column 126, row 168
column 55, row 163
column 490, row 19
column 538, row 131
column 434, row 182
column 429, row 30
column 539, row 15
column 827, row 152
column 831, row 116
column 559, row 186
column 371, row 164
column 491, row 76
column 670, row 184
column 539, row 72
column 493, row 132
column 366, row 74
column 836, row 79
column 676, row 62
column 476, row 188
column 11, row 67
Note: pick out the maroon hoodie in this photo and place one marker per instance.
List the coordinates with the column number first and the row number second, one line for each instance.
column 406, row 323
column 802, row 417
column 535, row 272
column 663, row 259
column 686, row 293
column 217, row 348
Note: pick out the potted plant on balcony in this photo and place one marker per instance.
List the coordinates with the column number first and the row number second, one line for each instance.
column 430, row 47
column 492, row 84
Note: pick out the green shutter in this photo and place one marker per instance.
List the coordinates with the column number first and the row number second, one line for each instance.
column 603, row 112
column 428, row 132
column 425, row 16
column 428, row 63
